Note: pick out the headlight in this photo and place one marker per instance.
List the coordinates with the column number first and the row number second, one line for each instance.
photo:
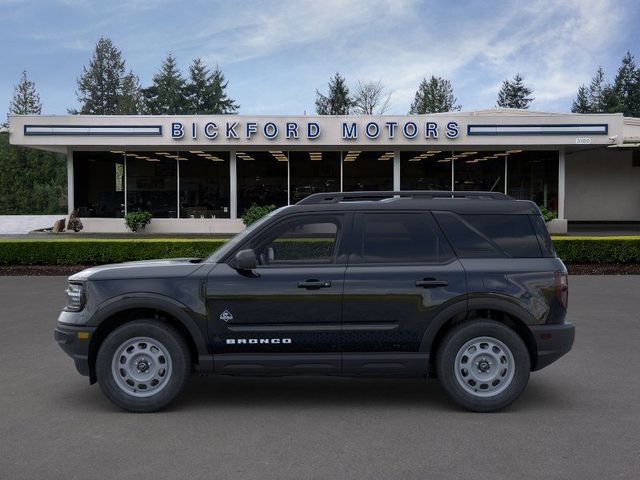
column 75, row 297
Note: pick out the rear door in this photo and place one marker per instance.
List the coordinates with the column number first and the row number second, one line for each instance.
column 401, row 274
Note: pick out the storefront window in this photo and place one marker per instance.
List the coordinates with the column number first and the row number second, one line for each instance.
column 533, row 175
column 204, row 184
column 99, row 184
column 313, row 172
column 480, row 171
column 152, row 183
column 366, row 171
column 262, row 179
column 425, row 170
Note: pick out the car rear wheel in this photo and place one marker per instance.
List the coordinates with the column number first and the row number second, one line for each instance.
column 143, row 365
column 483, row 365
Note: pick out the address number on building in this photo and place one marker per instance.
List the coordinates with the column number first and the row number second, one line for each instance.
column 583, row 141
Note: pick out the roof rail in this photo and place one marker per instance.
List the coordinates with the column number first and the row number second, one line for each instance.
column 337, row 197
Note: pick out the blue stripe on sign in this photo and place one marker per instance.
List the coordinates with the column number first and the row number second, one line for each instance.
column 94, row 130
column 539, row 129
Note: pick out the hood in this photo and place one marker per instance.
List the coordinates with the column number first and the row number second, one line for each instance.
column 166, row 268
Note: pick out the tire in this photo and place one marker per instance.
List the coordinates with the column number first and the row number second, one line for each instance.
column 143, row 365
column 483, row 365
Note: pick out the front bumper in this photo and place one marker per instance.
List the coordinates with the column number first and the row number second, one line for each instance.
column 74, row 340
column 552, row 342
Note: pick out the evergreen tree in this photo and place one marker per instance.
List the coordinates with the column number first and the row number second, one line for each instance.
column 130, row 100
column 221, row 102
column 100, row 84
column 205, row 91
column 581, row 103
column 338, row 101
column 26, row 100
column 596, row 90
column 167, row 96
column 433, row 96
column 627, row 86
column 514, row 94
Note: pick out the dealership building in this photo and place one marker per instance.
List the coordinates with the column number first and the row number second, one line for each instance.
column 198, row 174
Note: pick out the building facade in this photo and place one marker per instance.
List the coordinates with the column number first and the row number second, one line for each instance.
column 200, row 173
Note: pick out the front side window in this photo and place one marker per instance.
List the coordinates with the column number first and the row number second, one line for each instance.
column 400, row 238
column 302, row 241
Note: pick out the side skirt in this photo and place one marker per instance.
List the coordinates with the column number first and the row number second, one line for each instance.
column 414, row 364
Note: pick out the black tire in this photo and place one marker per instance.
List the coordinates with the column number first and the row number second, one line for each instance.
column 458, row 387
column 179, row 363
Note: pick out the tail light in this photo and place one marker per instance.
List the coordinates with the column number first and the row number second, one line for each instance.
column 562, row 288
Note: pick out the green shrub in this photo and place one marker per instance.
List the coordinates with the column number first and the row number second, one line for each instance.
column 547, row 214
column 96, row 252
column 598, row 249
column 256, row 212
column 137, row 220
column 101, row 251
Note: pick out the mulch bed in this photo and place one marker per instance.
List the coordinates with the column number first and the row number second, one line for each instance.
column 577, row 269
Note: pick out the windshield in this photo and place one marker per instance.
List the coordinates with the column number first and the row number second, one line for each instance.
column 240, row 237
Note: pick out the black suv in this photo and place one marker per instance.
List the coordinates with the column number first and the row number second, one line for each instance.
column 465, row 286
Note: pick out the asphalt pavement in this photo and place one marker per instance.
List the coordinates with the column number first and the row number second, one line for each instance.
column 578, row 418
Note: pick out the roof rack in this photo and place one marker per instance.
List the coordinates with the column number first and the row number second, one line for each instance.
column 337, row 197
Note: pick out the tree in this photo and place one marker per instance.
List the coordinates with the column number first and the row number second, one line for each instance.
column 514, row 93
column 370, row 98
column 206, row 92
column 338, row 101
column 433, row 96
column 26, row 100
column 100, row 84
column 167, row 96
column 581, row 103
column 627, row 86
column 597, row 88
column 130, row 101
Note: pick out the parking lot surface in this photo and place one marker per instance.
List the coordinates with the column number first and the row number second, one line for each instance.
column 579, row 418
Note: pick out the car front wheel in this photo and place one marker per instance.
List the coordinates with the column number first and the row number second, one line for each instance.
column 143, row 365
column 483, row 365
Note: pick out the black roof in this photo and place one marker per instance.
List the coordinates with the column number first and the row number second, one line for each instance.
column 458, row 202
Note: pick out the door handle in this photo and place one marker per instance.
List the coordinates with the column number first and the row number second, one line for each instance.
column 314, row 284
column 431, row 283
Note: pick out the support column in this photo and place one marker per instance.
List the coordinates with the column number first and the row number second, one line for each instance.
column 233, row 186
column 70, row 182
column 396, row 170
column 560, row 224
column 561, row 183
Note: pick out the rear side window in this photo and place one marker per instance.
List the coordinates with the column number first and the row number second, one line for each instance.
column 400, row 238
column 514, row 234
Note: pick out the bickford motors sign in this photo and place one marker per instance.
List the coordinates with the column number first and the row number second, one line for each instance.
column 293, row 130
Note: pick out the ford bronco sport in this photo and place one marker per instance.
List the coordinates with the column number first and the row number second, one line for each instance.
column 463, row 286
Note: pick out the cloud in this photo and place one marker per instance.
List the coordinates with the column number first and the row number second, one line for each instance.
column 276, row 53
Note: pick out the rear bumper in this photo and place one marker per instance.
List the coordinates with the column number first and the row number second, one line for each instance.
column 75, row 341
column 552, row 342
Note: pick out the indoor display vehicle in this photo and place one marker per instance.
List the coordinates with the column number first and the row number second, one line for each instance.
column 462, row 286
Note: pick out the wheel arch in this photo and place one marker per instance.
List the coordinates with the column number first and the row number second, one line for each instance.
column 119, row 311
column 500, row 310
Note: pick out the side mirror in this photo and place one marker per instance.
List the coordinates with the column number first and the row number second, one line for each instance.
column 245, row 260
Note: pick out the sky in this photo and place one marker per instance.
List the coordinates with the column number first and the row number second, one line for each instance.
column 275, row 54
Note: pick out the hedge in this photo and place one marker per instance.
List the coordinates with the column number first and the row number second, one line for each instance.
column 598, row 249
column 95, row 252
column 100, row 251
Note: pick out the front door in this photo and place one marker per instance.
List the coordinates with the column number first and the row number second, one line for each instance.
column 401, row 274
column 290, row 304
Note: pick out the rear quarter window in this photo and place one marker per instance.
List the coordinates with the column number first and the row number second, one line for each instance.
column 490, row 235
column 514, row 234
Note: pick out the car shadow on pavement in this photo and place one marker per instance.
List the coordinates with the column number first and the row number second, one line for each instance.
column 306, row 392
